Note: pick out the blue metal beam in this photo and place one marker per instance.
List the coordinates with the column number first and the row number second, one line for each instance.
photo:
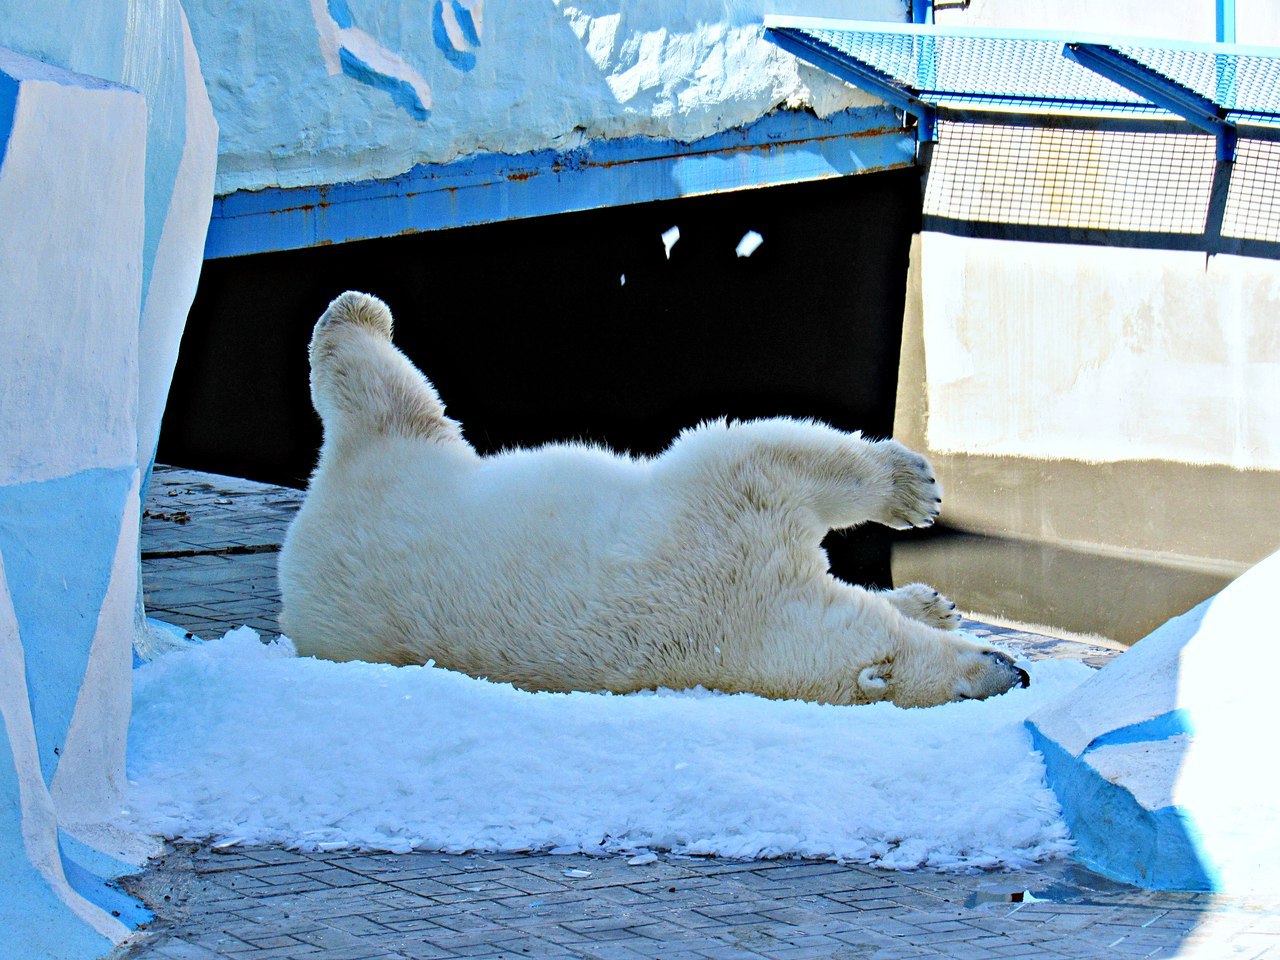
column 784, row 147
column 861, row 75
column 1157, row 88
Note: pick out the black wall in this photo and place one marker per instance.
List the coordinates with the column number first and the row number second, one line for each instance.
column 528, row 334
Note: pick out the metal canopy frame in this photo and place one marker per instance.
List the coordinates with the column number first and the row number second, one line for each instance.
column 921, row 69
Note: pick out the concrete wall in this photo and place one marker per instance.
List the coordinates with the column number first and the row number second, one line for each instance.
column 1121, row 404
column 1116, row 408
column 105, row 191
column 347, row 90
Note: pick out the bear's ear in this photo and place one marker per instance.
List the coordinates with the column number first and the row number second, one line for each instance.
column 873, row 681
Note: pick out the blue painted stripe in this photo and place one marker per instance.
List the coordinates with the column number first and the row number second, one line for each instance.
column 1172, row 724
column 8, row 107
column 58, row 538
column 402, row 94
column 90, row 871
column 1157, row 849
column 341, row 14
column 787, row 147
column 464, row 60
column 466, row 23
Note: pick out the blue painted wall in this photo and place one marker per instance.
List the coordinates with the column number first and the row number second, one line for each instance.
column 106, row 170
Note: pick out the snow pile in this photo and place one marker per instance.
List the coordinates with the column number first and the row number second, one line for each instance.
column 241, row 740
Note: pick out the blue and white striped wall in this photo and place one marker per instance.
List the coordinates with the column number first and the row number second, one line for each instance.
column 106, row 180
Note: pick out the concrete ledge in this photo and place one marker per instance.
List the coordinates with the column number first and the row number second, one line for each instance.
column 783, row 147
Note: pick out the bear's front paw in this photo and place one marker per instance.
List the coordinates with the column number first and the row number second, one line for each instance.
column 915, row 499
column 921, row 602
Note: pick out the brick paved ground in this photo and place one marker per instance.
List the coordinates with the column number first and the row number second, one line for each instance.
column 209, row 547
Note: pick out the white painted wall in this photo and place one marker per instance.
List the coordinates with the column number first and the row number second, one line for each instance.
column 1257, row 21
column 1100, row 354
column 542, row 76
column 76, row 418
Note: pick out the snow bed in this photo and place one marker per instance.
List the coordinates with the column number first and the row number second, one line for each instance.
column 244, row 741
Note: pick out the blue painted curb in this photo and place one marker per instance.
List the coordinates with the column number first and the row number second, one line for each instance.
column 1156, row 849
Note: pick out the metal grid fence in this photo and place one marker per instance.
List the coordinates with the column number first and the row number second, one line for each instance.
column 1065, row 177
column 1030, row 72
column 1253, row 202
column 1246, row 85
column 1099, row 179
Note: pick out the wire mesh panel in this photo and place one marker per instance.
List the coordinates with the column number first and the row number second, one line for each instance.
column 1050, row 167
column 1253, row 201
column 1002, row 69
column 1076, row 178
column 1247, row 86
column 988, row 71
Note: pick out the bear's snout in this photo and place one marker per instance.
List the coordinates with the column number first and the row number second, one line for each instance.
column 1005, row 663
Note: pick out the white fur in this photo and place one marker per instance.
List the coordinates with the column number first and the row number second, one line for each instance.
column 569, row 567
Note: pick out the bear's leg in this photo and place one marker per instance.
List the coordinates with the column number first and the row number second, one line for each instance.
column 362, row 386
column 921, row 602
column 841, row 478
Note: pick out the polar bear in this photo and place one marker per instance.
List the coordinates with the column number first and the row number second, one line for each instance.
column 570, row 567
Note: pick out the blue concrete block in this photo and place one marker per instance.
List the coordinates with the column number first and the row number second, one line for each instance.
column 1162, row 760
